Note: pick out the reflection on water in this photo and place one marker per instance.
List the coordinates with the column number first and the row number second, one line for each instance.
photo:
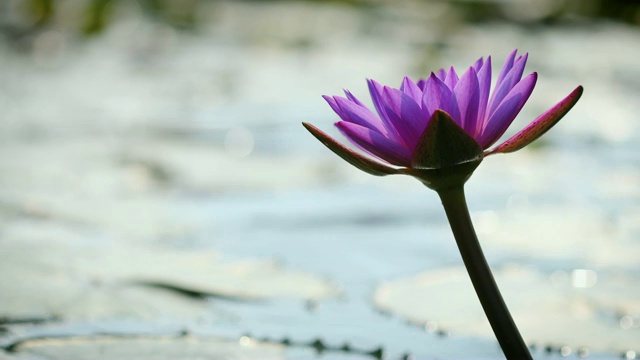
column 583, row 278
column 238, row 142
column 179, row 127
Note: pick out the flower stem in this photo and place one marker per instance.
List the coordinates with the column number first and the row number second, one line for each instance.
column 503, row 326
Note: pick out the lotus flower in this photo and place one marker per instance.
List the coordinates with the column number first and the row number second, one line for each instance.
column 440, row 121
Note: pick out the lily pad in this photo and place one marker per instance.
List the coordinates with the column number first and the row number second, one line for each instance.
column 40, row 280
column 45, row 292
column 584, row 234
column 141, row 348
column 570, row 313
column 206, row 272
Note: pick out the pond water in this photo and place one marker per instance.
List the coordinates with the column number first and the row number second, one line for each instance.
column 146, row 166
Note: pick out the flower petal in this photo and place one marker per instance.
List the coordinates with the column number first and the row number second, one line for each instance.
column 478, row 64
column 506, row 67
column 498, row 123
column 353, row 98
column 540, row 125
column 405, row 114
column 375, row 143
column 422, row 83
column 467, row 94
column 484, row 84
column 334, row 105
column 504, row 86
column 452, row 78
column 360, row 115
column 365, row 164
column 438, row 96
column 410, row 88
column 376, row 90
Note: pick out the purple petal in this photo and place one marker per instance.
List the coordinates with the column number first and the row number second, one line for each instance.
column 334, row 105
column 405, row 114
column 375, row 143
column 438, row 96
column 422, row 83
column 352, row 157
column 515, row 75
column 478, row 64
column 540, row 125
column 442, row 74
column 508, row 64
column 467, row 94
column 410, row 88
column 353, row 98
column 504, row 87
column 500, row 120
column 452, row 78
column 360, row 115
column 484, row 84
column 435, row 91
column 376, row 90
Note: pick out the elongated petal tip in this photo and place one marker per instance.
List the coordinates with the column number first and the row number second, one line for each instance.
column 376, row 144
column 540, row 125
column 363, row 163
column 507, row 111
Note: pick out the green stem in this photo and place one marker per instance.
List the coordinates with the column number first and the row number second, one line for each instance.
column 494, row 307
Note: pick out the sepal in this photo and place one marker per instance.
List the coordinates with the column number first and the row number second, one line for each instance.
column 445, row 156
column 538, row 126
column 443, row 144
column 361, row 162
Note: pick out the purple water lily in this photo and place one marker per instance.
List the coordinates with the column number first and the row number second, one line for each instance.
column 398, row 132
column 438, row 130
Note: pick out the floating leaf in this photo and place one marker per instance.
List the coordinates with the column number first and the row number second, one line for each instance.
column 53, row 279
column 149, row 348
column 546, row 312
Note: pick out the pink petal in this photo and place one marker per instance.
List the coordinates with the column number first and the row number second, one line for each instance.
column 375, row 143
column 352, row 157
column 498, row 123
column 540, row 125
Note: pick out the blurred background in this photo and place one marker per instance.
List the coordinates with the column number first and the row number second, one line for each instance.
column 159, row 197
